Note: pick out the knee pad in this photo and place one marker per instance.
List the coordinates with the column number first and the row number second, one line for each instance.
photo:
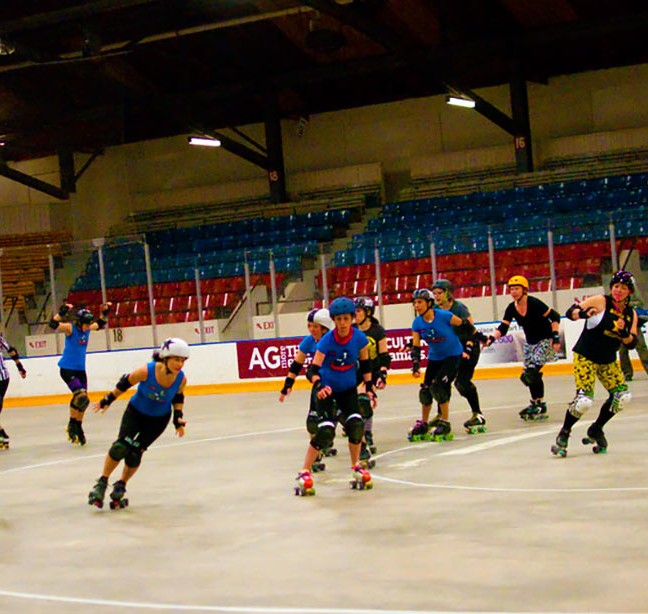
column 464, row 387
column 324, row 435
column 365, row 406
column 530, row 376
column 354, row 427
column 312, row 421
column 441, row 392
column 119, row 450
column 80, row 400
column 620, row 398
column 582, row 402
column 425, row 396
column 134, row 457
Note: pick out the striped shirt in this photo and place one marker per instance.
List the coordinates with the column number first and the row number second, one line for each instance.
column 4, row 373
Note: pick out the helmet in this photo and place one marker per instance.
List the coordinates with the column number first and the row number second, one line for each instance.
column 623, row 277
column 341, row 306
column 423, row 293
column 323, row 318
column 173, row 346
column 366, row 303
column 84, row 316
column 519, row 280
column 444, row 284
column 311, row 315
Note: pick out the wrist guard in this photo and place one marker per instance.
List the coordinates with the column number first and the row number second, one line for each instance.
column 101, row 323
column 20, row 368
column 63, row 310
column 633, row 344
column 555, row 337
column 177, row 417
column 503, row 328
column 582, row 313
column 416, row 367
column 468, row 349
column 368, row 386
column 491, row 340
column 479, row 336
column 288, row 384
column 383, row 376
column 624, row 333
column 365, row 366
column 106, row 310
column 107, row 400
column 54, row 324
column 416, row 353
column 317, row 386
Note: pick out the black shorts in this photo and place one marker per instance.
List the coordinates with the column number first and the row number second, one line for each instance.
column 4, row 384
column 338, row 406
column 142, row 428
column 75, row 380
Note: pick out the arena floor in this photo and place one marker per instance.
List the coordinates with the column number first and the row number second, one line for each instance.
column 486, row 523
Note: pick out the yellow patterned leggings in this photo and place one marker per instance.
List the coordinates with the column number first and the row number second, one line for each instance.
column 586, row 372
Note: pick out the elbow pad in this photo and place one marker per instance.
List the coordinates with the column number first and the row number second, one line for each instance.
column 178, row 398
column 124, row 383
column 365, row 366
column 633, row 344
column 101, row 323
column 384, row 359
column 503, row 328
column 467, row 325
column 295, row 367
column 554, row 316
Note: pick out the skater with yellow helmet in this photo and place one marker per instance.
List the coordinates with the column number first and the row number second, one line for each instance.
column 540, row 324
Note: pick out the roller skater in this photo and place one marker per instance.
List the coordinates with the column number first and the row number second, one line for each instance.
column 609, row 322
column 98, row 493
column 4, row 381
column 360, row 478
column 475, row 424
column 540, row 324
column 319, row 323
column 438, row 328
column 560, row 447
column 334, row 382
column 159, row 398
column 73, row 362
column 118, row 495
column 305, row 484
column 365, row 320
column 443, row 292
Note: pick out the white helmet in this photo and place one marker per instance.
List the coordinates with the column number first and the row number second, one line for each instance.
column 323, row 318
column 173, row 346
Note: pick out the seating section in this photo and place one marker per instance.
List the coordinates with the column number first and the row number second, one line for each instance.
column 518, row 220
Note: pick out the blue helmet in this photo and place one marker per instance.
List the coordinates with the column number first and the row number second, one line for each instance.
column 341, row 306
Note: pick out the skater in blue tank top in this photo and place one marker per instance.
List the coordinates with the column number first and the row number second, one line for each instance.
column 72, row 364
column 159, row 395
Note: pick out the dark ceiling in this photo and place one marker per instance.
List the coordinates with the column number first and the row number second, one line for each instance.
column 85, row 75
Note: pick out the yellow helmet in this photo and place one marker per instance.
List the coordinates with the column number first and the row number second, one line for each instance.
column 519, row 280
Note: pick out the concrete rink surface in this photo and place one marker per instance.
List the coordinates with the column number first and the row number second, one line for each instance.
column 485, row 523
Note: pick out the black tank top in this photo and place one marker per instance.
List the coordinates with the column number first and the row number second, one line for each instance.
column 601, row 342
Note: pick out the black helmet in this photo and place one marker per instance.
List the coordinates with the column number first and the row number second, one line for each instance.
column 366, row 303
column 84, row 316
column 423, row 293
column 444, row 284
column 623, row 277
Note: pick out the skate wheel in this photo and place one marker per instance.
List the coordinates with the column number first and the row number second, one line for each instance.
column 587, row 441
column 332, row 452
column 354, row 484
column 124, row 503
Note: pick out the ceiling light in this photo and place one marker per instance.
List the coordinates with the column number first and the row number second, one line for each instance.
column 460, row 100
column 6, row 47
column 205, row 141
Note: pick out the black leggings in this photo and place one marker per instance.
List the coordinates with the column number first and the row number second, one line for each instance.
column 4, row 384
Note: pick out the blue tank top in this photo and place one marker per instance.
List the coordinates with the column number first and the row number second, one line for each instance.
column 439, row 335
column 153, row 399
column 74, row 352
column 341, row 356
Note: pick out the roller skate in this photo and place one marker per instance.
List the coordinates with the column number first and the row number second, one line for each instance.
column 476, row 424
column 560, row 447
column 435, row 421
column 596, row 436
column 98, row 492
column 4, row 439
column 360, row 478
column 365, row 457
column 117, row 498
column 443, row 431
column 81, row 438
column 537, row 410
column 329, row 452
column 370, row 442
column 318, row 465
column 72, row 433
column 305, row 484
column 419, row 432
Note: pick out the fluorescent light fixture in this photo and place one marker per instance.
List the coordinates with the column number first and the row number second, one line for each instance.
column 460, row 100
column 205, row 141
